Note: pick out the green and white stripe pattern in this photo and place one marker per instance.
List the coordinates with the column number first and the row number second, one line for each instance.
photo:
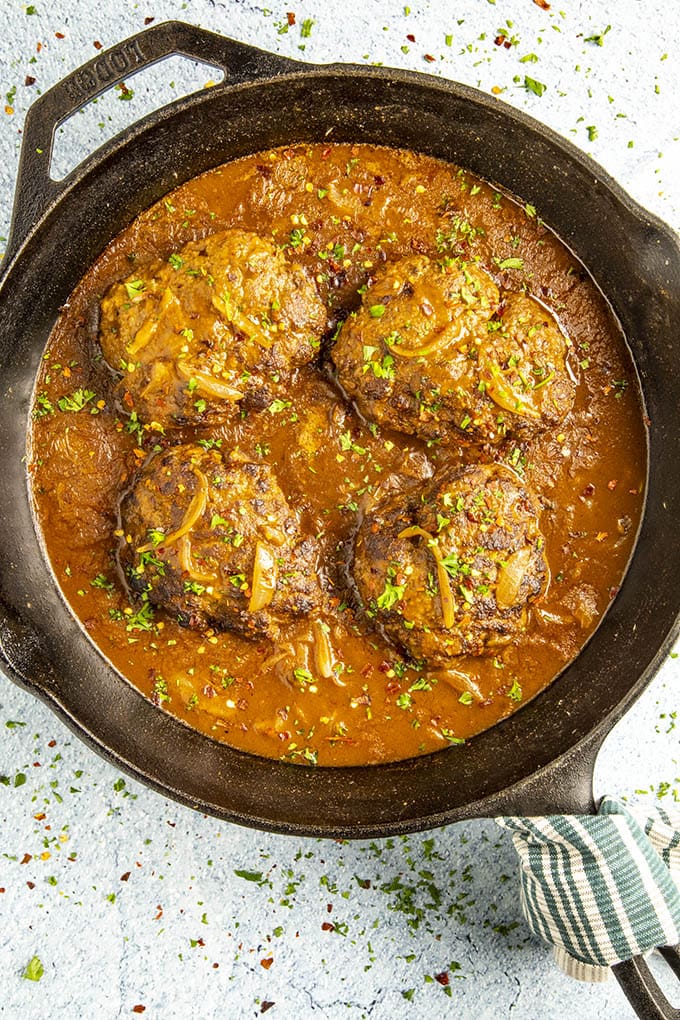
column 600, row 888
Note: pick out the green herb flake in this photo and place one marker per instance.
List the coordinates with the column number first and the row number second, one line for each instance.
column 250, row 876
column 598, row 38
column 135, row 288
column 377, row 311
column 511, row 263
column 531, row 85
column 34, row 969
column 277, row 406
column 515, row 692
column 392, row 593
column 76, row 401
column 451, row 737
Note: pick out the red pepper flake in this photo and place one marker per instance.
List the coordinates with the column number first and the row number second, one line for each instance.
column 266, row 1005
column 442, row 978
column 589, row 490
column 430, row 59
column 499, row 40
column 139, row 1009
column 31, row 885
column 329, row 908
column 26, row 858
column 215, row 966
column 542, row 4
column 2, row 888
column 125, row 877
column 148, row 21
column 59, row 35
column 38, row 47
column 30, row 80
column 97, row 45
column 327, row 926
column 160, row 912
column 290, row 15
column 40, row 816
column 611, row 485
column 267, row 962
column 411, row 37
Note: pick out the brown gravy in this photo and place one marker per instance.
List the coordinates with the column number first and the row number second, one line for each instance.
column 341, row 211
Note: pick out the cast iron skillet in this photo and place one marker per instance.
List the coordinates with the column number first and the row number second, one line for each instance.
column 541, row 759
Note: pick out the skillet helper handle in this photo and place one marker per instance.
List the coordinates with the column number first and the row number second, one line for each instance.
column 36, row 190
column 601, row 885
column 641, row 988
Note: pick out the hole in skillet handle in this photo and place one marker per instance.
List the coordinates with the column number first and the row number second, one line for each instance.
column 109, row 115
column 36, row 190
column 641, row 988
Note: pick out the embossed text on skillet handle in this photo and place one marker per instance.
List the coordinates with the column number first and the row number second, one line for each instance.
column 36, row 191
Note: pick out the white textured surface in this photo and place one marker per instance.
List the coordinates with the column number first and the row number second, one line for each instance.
column 184, row 936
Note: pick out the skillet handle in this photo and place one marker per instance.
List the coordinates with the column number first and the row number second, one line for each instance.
column 36, row 190
column 641, row 989
column 566, row 787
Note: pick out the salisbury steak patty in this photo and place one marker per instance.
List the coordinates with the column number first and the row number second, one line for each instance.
column 436, row 351
column 213, row 540
column 221, row 325
column 451, row 570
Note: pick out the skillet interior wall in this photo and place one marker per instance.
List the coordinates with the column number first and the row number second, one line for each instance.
column 365, row 106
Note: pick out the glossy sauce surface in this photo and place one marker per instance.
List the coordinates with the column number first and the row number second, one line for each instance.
column 341, row 211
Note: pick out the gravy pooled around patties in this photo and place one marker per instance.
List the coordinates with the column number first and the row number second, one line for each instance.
column 214, row 542
column 223, row 322
column 452, row 569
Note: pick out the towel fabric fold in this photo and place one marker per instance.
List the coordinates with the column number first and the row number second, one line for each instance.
column 600, row 888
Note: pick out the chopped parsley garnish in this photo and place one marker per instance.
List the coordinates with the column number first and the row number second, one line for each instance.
column 76, row 401
column 515, row 692
column 347, row 444
column 141, row 620
column 101, row 581
column 277, row 406
column 34, row 969
column 451, row 737
column 598, row 39
column 43, row 406
column 135, row 288
column 296, row 235
column 531, row 85
column 511, row 263
column 392, row 593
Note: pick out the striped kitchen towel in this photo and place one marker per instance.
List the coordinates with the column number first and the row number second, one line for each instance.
column 600, row 888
